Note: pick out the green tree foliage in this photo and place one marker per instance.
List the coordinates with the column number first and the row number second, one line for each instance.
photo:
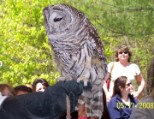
column 26, row 53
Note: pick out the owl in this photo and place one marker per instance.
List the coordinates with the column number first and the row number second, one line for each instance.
column 78, row 50
column 77, row 47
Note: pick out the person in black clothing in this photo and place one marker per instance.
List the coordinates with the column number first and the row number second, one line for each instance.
column 42, row 105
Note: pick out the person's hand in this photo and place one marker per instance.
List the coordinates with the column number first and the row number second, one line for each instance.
column 108, row 98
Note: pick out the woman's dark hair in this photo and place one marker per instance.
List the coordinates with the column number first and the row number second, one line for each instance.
column 23, row 88
column 119, row 82
column 123, row 48
column 40, row 80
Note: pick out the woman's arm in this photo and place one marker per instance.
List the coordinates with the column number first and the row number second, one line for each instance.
column 107, row 93
column 108, row 97
column 141, row 84
column 111, row 88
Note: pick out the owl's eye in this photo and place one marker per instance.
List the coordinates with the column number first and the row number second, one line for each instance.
column 57, row 19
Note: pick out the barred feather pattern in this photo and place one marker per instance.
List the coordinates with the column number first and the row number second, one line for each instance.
column 77, row 47
column 75, row 42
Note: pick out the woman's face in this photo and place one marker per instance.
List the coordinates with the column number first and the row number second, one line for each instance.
column 6, row 92
column 40, row 87
column 128, row 87
column 123, row 55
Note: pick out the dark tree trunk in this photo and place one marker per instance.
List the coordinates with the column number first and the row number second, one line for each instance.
column 150, row 76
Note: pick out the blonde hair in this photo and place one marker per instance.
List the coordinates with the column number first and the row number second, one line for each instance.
column 123, row 48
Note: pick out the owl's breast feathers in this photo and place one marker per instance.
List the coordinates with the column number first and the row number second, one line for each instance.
column 76, row 44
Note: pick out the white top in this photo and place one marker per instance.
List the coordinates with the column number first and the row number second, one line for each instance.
column 119, row 70
column 2, row 98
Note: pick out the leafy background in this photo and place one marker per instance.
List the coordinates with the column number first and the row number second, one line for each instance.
column 27, row 55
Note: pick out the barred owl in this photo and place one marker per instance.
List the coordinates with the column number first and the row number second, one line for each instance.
column 77, row 47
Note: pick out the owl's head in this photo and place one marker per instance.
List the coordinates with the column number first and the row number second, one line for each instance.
column 62, row 18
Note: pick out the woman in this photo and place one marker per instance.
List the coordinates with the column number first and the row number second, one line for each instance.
column 6, row 90
column 123, row 66
column 122, row 102
column 39, row 85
